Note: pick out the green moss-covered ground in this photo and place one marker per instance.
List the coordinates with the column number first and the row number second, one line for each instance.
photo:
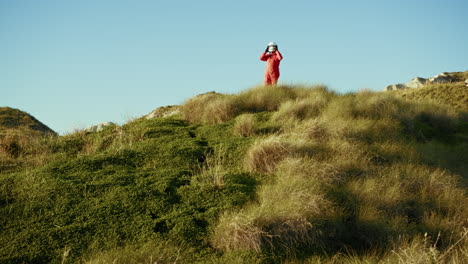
column 136, row 186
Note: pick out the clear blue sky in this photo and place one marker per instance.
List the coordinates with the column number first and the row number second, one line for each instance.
column 72, row 64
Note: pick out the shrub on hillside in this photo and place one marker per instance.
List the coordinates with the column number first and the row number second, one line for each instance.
column 214, row 168
column 264, row 155
column 417, row 249
column 264, row 98
column 282, row 236
column 214, row 108
column 427, row 122
column 284, row 220
column 211, row 108
column 32, row 149
column 313, row 129
column 366, row 104
column 245, row 125
column 270, row 98
column 10, row 146
column 300, row 109
column 373, row 105
column 425, row 249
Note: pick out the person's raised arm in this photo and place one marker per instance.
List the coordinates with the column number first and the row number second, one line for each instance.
column 278, row 55
column 264, row 55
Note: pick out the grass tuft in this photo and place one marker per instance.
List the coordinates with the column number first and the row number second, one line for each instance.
column 211, row 108
column 265, row 154
column 245, row 125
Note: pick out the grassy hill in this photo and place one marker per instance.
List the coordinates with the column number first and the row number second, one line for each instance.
column 18, row 131
column 452, row 95
column 14, row 121
column 285, row 174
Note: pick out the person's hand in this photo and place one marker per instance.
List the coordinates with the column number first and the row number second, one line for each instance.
column 266, row 49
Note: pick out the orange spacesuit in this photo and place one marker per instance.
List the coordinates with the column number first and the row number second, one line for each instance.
column 273, row 60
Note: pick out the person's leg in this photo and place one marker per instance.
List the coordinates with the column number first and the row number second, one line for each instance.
column 267, row 80
column 274, row 78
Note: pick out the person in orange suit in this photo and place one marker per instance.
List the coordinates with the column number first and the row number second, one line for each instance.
column 273, row 57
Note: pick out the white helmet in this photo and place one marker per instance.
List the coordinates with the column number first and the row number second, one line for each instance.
column 272, row 46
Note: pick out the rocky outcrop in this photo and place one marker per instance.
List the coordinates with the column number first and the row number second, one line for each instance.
column 419, row 82
column 394, row 87
column 466, row 82
column 164, row 111
column 441, row 78
column 99, row 127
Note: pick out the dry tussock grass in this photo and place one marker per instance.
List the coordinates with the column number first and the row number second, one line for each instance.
column 384, row 106
column 424, row 249
column 376, row 106
column 245, row 125
column 365, row 105
column 25, row 149
column 247, row 231
column 289, row 235
column 11, row 146
column 283, row 219
column 431, row 184
column 309, row 169
column 339, row 108
column 213, row 108
column 313, row 129
column 298, row 190
column 300, row 109
column 213, row 170
column 209, row 109
column 366, row 129
column 366, row 153
column 264, row 98
column 420, row 249
column 451, row 95
column 265, row 154
column 237, row 231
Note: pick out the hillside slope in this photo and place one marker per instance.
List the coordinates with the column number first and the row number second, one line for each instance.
column 13, row 121
column 452, row 95
column 270, row 175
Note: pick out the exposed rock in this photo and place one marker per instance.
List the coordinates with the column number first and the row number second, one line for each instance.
column 164, row 111
column 394, row 87
column 99, row 127
column 466, row 82
column 417, row 82
column 441, row 78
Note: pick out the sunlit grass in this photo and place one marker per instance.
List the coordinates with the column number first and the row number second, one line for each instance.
column 276, row 174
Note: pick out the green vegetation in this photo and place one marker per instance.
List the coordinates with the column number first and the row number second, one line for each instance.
column 14, row 121
column 285, row 174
